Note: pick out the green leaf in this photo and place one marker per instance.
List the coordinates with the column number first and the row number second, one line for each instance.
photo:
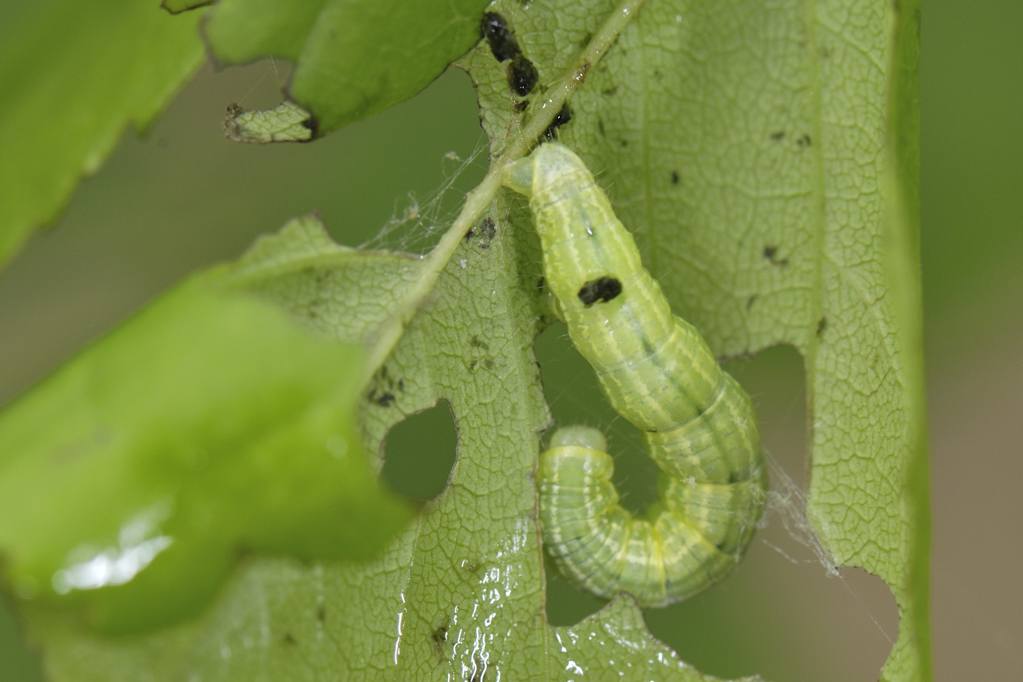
column 763, row 157
column 766, row 158
column 209, row 424
column 461, row 589
column 614, row 641
column 74, row 76
column 353, row 58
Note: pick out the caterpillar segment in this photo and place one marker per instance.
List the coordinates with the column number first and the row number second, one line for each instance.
column 658, row 373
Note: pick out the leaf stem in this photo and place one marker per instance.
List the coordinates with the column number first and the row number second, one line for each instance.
column 477, row 200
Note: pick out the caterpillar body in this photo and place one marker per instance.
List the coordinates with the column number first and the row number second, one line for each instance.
column 660, row 375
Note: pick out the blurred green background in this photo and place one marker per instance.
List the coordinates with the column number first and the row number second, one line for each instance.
column 182, row 197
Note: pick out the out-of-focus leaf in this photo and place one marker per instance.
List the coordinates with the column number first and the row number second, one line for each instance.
column 209, row 424
column 352, row 58
column 177, row 6
column 74, row 76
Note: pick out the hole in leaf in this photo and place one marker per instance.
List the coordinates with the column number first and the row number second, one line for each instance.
column 567, row 602
column 781, row 603
column 419, row 452
column 575, row 397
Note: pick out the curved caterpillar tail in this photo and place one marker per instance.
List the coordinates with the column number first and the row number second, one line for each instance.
column 658, row 373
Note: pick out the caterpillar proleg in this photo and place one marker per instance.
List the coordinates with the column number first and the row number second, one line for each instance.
column 658, row 373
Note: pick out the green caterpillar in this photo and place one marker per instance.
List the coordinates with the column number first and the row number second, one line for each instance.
column 658, row 373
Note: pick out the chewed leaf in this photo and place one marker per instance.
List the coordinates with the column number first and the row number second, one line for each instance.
column 352, row 59
column 755, row 236
column 765, row 156
column 287, row 122
column 208, row 425
column 615, row 639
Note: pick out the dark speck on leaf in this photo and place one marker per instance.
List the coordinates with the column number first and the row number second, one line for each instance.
column 485, row 231
column 778, row 135
column 289, row 639
column 675, row 177
column 384, row 399
column 499, row 37
column 521, row 105
column 804, row 141
column 522, row 75
column 600, row 290
column 312, row 124
column 563, row 116
column 771, row 254
column 750, row 301
column 439, row 636
column 822, row 324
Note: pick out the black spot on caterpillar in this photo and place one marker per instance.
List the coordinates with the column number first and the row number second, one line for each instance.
column 658, row 373
column 600, row 290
